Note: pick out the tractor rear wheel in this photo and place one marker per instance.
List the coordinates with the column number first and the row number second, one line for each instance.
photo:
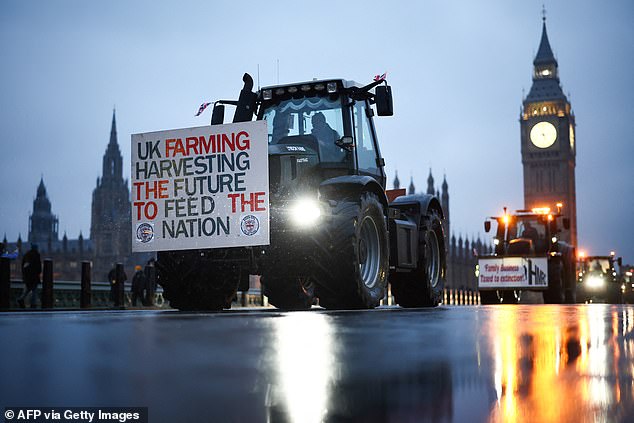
column 423, row 287
column 192, row 282
column 555, row 293
column 288, row 292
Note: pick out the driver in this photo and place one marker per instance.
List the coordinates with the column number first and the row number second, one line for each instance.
column 530, row 232
column 326, row 136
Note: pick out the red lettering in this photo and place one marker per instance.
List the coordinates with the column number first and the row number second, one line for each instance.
column 138, row 186
column 259, row 200
column 155, row 189
column 138, row 205
column 192, row 144
column 175, row 145
column 252, row 202
column 243, row 144
column 205, row 144
column 163, row 188
column 233, row 197
column 150, row 209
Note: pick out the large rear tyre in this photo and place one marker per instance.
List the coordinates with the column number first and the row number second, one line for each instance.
column 357, row 255
column 192, row 282
column 507, row 296
column 288, row 292
column 423, row 287
column 555, row 293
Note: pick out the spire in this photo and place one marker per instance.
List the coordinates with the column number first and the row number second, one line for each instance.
column 113, row 129
column 397, row 183
column 544, row 53
column 545, row 73
column 430, row 183
column 412, row 189
column 41, row 189
column 445, row 186
column 112, row 168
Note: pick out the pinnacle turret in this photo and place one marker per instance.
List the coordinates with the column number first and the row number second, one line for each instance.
column 430, row 183
column 397, row 182
column 412, row 189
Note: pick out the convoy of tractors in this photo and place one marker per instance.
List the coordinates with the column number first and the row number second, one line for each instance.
column 338, row 238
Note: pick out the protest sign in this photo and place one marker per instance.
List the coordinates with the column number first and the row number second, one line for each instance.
column 203, row 187
column 513, row 272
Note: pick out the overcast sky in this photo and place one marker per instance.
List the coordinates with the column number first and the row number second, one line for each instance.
column 457, row 69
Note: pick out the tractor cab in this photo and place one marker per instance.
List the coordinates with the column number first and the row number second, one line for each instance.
column 327, row 123
column 317, row 130
column 527, row 232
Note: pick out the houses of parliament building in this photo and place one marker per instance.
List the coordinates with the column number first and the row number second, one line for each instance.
column 110, row 235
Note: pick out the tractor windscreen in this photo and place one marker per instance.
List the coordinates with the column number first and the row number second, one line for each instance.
column 598, row 265
column 315, row 122
column 525, row 227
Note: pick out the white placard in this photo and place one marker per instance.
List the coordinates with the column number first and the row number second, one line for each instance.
column 513, row 272
column 203, row 187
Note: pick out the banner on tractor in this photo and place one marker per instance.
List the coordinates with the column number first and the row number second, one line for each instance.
column 203, row 187
column 513, row 272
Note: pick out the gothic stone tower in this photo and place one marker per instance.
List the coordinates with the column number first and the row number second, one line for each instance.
column 547, row 126
column 111, row 219
column 42, row 223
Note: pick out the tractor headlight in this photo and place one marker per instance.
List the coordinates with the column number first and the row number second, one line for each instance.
column 595, row 282
column 305, row 211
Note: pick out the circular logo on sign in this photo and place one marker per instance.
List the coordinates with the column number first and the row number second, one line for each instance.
column 250, row 225
column 144, row 233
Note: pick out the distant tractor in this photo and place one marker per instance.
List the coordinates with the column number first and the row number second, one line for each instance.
column 598, row 280
column 528, row 256
column 336, row 235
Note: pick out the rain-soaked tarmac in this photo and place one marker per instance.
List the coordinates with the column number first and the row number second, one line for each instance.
column 526, row 363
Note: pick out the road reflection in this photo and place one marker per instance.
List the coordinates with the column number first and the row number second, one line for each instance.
column 305, row 365
column 321, row 371
column 498, row 364
column 556, row 364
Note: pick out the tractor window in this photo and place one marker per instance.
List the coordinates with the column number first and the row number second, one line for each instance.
column 366, row 152
column 318, row 117
column 528, row 228
column 598, row 265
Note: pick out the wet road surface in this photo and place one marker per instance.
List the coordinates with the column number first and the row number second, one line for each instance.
column 536, row 363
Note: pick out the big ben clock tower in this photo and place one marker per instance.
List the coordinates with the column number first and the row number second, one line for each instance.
column 548, row 141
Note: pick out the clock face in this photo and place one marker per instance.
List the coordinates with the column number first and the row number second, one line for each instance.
column 572, row 137
column 543, row 134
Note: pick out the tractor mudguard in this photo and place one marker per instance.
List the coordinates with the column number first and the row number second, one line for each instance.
column 345, row 186
column 423, row 202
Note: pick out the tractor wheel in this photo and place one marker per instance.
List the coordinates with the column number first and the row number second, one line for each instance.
column 507, row 296
column 288, row 292
column 190, row 282
column 555, row 293
column 489, row 297
column 423, row 287
column 356, row 255
column 511, row 296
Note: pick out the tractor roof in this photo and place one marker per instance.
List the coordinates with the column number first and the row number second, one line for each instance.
column 344, row 82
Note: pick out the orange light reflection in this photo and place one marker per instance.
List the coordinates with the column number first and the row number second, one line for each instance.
column 561, row 364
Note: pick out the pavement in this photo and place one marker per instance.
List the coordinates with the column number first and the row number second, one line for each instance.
column 537, row 363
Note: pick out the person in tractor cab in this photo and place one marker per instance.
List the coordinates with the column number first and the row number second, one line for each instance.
column 327, row 137
column 530, row 232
